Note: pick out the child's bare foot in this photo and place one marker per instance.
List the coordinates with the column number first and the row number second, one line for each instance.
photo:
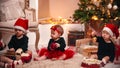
column 62, row 57
column 54, row 59
column 36, row 58
column 40, row 58
column 18, row 62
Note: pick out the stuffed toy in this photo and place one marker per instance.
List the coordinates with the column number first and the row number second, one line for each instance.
column 25, row 57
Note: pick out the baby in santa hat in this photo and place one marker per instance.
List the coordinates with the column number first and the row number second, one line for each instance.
column 19, row 41
column 56, row 46
column 5, row 62
column 106, row 47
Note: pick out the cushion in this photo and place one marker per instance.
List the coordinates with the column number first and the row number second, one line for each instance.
column 11, row 9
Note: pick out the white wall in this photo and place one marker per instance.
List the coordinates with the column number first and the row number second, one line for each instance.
column 34, row 4
column 56, row 8
column 63, row 8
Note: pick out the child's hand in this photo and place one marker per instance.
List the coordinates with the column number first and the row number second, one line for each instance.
column 19, row 51
column 53, row 46
column 94, row 39
column 57, row 44
column 94, row 33
column 11, row 49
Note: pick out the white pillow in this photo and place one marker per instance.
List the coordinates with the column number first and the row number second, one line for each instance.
column 12, row 9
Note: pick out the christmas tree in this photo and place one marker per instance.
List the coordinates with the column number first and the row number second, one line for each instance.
column 103, row 10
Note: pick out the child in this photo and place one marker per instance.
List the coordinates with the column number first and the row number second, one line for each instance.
column 106, row 47
column 56, row 46
column 5, row 62
column 19, row 41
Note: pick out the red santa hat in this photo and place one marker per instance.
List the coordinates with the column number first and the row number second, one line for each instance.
column 21, row 24
column 111, row 29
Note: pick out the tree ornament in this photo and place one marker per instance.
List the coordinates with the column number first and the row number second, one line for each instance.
column 109, row 6
column 115, row 7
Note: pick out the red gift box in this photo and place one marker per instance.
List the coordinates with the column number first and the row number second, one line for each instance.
column 90, row 66
column 91, row 63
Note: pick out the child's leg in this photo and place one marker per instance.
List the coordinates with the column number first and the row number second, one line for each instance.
column 9, row 65
column 105, row 59
column 6, row 65
column 6, row 62
column 40, row 58
column 5, row 59
column 62, row 57
column 29, row 52
column 2, row 64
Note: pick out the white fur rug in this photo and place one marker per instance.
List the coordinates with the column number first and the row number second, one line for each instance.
column 70, row 63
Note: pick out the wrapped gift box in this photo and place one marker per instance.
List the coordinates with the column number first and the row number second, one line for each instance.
column 91, row 63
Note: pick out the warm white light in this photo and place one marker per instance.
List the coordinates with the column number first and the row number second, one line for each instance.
column 94, row 17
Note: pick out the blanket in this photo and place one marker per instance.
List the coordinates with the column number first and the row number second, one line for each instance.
column 74, row 62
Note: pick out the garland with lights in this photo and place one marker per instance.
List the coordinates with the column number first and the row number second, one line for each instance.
column 103, row 10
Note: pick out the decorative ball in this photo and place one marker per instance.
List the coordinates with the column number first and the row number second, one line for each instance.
column 53, row 46
column 109, row 6
column 115, row 7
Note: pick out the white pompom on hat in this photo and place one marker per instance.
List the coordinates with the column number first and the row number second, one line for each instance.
column 111, row 29
column 21, row 24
